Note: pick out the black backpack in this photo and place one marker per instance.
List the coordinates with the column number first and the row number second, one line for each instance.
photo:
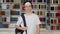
column 21, row 31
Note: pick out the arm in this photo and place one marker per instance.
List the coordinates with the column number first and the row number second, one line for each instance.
column 16, row 26
column 37, row 29
column 21, row 28
column 19, row 22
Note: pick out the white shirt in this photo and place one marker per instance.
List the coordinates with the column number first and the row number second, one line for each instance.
column 31, row 21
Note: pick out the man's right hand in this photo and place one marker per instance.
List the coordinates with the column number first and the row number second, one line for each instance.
column 21, row 28
column 24, row 28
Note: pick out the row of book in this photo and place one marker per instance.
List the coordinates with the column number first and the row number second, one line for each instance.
column 40, row 13
column 37, row 7
column 55, row 27
column 17, row 6
column 13, row 19
column 53, row 14
column 3, row 19
column 42, row 25
column 2, row 13
column 42, row 19
column 55, row 8
column 4, row 6
column 7, row 6
column 55, row 21
column 53, row 1
column 22, row 1
column 2, row 1
column 14, row 12
column 4, row 25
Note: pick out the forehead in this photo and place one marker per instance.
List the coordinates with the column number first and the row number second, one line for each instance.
column 27, row 4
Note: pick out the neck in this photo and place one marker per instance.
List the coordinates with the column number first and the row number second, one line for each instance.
column 28, row 13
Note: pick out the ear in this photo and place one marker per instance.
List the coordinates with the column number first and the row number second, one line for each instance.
column 32, row 6
column 23, row 7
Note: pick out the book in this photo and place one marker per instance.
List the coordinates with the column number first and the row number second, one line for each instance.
column 7, row 0
column 22, row 1
column 58, row 7
column 6, row 25
column 0, row 19
column 16, row 6
column 58, row 27
column 40, row 19
column 39, row 0
column 45, row 13
column 1, row 1
column 54, row 1
column 15, row 12
column 58, row 1
column 3, row 12
column 48, row 22
column 52, row 21
column 0, row 13
column 43, row 25
column 0, row 6
column 4, row 19
column 41, row 6
column 44, row 6
column 48, row 14
column 58, row 21
column 52, row 8
column 4, row 6
column 1, row 25
column 57, row 14
column 53, row 28
column 33, row 0
column 43, row 19
column 40, row 12
column 51, row 1
column 45, row 0
column 51, row 14
column 13, row 19
column 34, row 6
column 11, row 0
column 37, row 12
column 17, row 1
column 37, row 6
column 54, row 14
column 48, row 1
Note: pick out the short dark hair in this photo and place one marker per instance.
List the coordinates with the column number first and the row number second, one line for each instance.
column 27, row 1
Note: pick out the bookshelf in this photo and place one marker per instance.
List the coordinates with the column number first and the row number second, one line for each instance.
column 47, row 10
column 11, row 9
column 53, row 15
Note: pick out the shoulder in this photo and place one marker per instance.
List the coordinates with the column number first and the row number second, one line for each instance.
column 20, row 17
column 35, row 15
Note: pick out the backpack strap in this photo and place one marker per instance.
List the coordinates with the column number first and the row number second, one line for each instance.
column 24, row 21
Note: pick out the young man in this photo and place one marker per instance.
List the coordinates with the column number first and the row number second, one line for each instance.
column 32, row 21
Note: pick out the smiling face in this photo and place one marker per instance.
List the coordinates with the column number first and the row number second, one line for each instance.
column 28, row 7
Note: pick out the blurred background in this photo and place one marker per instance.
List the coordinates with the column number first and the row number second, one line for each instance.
column 47, row 10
